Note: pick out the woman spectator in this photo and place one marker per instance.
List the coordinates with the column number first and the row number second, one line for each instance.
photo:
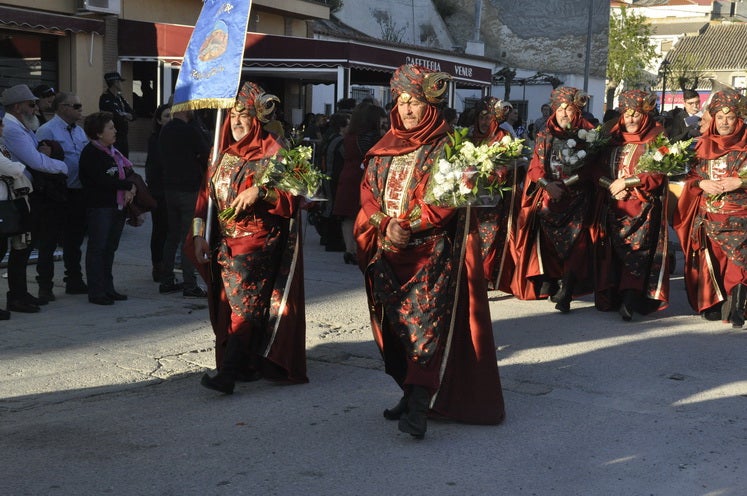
column 631, row 251
column 421, row 263
column 253, row 264
column 711, row 216
column 154, row 178
column 364, row 130
column 14, row 184
column 103, row 173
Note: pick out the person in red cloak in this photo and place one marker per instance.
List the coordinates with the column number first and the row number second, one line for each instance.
column 495, row 222
column 632, row 246
column 711, row 215
column 423, row 272
column 253, row 263
column 552, row 245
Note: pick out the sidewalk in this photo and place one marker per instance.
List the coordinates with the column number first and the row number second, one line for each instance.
column 106, row 400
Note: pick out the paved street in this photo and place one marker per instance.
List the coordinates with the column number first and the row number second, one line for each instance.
column 106, row 400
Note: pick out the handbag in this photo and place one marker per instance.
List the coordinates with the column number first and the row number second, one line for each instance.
column 14, row 213
column 143, row 201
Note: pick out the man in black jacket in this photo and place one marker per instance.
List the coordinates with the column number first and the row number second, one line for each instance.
column 113, row 101
column 184, row 153
column 685, row 122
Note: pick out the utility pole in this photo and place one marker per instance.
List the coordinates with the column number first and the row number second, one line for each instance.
column 587, row 62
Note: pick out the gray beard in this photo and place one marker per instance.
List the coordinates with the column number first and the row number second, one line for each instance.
column 31, row 122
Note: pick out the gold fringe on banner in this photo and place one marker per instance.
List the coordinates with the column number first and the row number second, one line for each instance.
column 203, row 103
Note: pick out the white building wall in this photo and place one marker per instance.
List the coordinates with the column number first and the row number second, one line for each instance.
column 407, row 18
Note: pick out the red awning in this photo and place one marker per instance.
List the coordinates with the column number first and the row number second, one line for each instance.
column 51, row 23
column 145, row 40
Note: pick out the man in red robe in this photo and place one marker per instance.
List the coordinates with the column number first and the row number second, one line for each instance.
column 423, row 272
column 711, row 215
column 632, row 246
column 495, row 222
column 552, row 247
column 253, row 262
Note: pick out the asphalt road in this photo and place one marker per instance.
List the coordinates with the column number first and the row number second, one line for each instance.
column 106, row 400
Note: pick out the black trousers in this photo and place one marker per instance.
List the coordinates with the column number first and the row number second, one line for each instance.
column 55, row 221
column 17, row 260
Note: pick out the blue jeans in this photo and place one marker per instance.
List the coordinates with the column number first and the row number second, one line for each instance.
column 104, row 231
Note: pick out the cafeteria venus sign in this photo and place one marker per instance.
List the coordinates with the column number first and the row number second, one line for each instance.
column 434, row 65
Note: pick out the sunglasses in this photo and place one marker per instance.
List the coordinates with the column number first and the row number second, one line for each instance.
column 76, row 106
column 32, row 104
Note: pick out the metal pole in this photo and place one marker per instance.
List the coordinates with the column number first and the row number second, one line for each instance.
column 213, row 159
column 478, row 17
column 663, row 87
column 587, row 62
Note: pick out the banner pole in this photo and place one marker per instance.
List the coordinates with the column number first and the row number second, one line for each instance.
column 213, row 158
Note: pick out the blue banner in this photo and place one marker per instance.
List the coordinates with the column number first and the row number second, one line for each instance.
column 211, row 69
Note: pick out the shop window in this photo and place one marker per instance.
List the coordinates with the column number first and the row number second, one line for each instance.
column 144, row 88
column 27, row 59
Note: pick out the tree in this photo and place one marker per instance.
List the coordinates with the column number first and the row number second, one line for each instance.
column 685, row 72
column 630, row 51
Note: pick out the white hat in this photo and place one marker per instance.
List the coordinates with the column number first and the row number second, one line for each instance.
column 16, row 94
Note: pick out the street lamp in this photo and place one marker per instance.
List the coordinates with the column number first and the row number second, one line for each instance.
column 663, row 73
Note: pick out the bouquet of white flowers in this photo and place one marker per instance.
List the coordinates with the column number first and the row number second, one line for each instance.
column 290, row 170
column 575, row 151
column 468, row 172
column 665, row 157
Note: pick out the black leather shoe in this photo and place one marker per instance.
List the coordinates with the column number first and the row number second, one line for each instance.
column 249, row 376
column 4, row 314
column 46, row 295
column 22, row 306
column 29, row 298
column 116, row 296
column 626, row 312
column 415, row 422
column 100, row 300
column 219, row 383
column 196, row 292
column 397, row 411
column 564, row 306
column 711, row 315
column 737, row 307
column 76, row 287
column 626, row 307
column 170, row 287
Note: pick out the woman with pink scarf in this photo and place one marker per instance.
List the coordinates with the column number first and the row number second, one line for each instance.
column 103, row 172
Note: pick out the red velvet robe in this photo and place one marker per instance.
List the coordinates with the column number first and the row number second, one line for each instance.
column 267, row 289
column 428, row 301
column 632, row 244
column 713, row 234
column 497, row 223
column 540, row 256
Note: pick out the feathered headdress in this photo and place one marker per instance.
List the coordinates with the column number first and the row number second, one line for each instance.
column 420, row 83
column 253, row 98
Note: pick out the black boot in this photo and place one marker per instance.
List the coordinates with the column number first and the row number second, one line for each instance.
column 549, row 288
column 563, row 297
column 716, row 312
column 225, row 380
column 400, row 408
column 629, row 298
column 738, row 300
column 415, row 421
